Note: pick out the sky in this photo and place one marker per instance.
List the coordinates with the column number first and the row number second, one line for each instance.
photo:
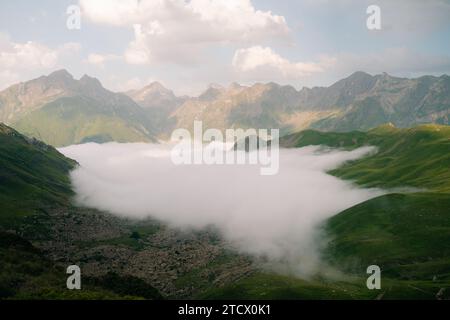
column 189, row 44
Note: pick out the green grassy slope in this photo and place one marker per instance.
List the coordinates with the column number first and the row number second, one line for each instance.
column 406, row 234
column 72, row 120
column 31, row 174
column 264, row 286
column 417, row 157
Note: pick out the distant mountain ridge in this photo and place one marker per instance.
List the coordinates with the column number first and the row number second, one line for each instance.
column 158, row 103
column 368, row 101
column 61, row 110
column 358, row 102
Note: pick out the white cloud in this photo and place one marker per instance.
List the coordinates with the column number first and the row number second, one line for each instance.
column 29, row 54
column 138, row 51
column 111, row 12
column 7, row 78
column 274, row 216
column 99, row 60
column 177, row 30
column 263, row 63
column 19, row 59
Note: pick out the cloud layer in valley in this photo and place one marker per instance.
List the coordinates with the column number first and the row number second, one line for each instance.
column 270, row 216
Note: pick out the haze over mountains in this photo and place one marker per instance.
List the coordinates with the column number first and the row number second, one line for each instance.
column 61, row 110
column 82, row 110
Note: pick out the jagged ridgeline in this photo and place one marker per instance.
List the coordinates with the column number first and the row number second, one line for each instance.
column 61, row 110
column 359, row 102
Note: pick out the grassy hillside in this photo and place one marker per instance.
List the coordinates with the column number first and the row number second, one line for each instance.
column 417, row 157
column 32, row 174
column 406, row 233
column 42, row 232
column 263, row 286
column 73, row 120
column 34, row 177
column 61, row 111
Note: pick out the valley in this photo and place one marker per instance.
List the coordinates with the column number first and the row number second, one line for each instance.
column 36, row 206
column 208, row 158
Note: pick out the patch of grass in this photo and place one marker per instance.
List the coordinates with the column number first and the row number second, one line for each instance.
column 417, row 157
column 126, row 286
column 72, row 120
column 32, row 175
column 274, row 286
column 407, row 235
column 262, row 286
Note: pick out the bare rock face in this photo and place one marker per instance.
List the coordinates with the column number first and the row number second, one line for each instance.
column 359, row 102
column 154, row 95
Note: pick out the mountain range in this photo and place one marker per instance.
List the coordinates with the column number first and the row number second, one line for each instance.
column 61, row 110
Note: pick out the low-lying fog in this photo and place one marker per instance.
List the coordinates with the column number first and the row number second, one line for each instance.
column 271, row 216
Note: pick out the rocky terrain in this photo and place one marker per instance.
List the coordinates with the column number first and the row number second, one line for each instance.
column 358, row 102
column 180, row 264
column 36, row 205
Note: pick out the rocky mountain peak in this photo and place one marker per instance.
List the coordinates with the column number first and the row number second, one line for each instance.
column 90, row 81
column 235, row 86
column 60, row 74
column 156, row 88
column 213, row 92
